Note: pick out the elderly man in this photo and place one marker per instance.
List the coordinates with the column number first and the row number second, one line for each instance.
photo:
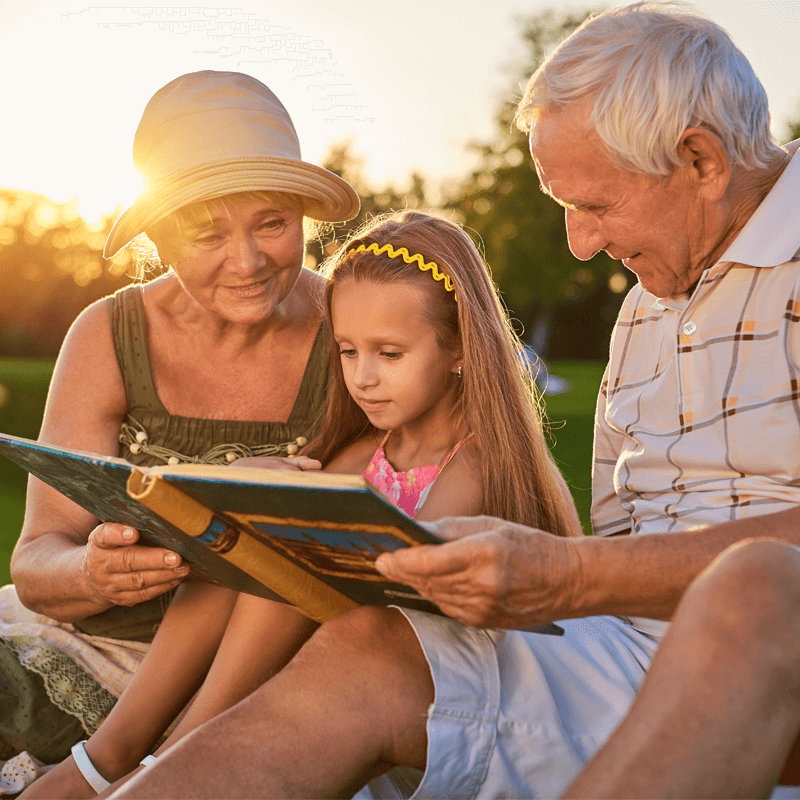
column 649, row 127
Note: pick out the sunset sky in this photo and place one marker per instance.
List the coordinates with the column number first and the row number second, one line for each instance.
column 410, row 82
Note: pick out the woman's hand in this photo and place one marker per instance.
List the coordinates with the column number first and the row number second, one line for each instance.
column 121, row 572
column 291, row 463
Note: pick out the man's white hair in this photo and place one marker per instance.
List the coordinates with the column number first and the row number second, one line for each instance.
column 651, row 70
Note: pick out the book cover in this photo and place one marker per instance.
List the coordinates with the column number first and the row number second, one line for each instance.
column 314, row 530
column 309, row 539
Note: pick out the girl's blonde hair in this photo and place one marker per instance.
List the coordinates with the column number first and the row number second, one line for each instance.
column 496, row 399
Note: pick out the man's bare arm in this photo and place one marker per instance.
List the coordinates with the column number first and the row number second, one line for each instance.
column 498, row 574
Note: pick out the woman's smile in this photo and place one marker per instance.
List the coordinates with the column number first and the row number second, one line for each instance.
column 247, row 290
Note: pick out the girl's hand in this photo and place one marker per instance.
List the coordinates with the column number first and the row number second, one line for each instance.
column 292, row 463
column 121, row 572
column 492, row 574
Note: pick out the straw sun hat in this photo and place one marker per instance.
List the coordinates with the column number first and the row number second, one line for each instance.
column 208, row 134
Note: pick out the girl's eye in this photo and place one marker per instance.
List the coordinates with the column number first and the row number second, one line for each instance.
column 347, row 353
column 392, row 356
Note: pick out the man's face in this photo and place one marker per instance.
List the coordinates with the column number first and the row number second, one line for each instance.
column 657, row 228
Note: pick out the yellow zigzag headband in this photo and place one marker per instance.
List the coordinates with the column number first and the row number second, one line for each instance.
column 430, row 266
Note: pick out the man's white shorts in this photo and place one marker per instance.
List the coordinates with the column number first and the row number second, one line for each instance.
column 518, row 715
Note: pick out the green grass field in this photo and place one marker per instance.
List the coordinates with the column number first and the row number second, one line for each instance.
column 571, row 417
column 24, row 390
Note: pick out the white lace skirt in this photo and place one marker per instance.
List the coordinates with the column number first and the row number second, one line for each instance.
column 79, row 671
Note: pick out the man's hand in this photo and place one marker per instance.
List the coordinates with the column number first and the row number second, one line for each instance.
column 493, row 574
column 121, row 572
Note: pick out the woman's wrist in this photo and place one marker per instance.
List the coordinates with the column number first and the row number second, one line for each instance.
column 51, row 579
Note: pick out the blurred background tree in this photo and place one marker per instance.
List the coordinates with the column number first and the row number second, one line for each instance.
column 51, row 264
column 342, row 161
column 51, row 267
column 565, row 308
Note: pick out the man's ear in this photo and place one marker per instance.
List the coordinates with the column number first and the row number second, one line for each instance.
column 707, row 161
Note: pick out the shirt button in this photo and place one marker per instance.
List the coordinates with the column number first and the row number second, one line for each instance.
column 689, row 328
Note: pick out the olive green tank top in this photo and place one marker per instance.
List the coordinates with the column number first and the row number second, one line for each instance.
column 191, row 437
column 195, row 437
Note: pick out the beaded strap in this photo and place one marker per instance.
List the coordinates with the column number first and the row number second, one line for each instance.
column 134, row 437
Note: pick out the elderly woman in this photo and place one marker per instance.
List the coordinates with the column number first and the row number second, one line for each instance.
column 221, row 357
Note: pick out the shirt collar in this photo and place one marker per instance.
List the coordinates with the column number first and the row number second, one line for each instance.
column 772, row 235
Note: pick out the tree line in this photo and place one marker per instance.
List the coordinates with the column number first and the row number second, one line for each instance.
column 51, row 263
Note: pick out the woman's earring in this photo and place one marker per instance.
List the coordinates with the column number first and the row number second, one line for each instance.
column 460, row 372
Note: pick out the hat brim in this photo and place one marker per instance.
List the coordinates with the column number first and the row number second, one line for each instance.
column 326, row 196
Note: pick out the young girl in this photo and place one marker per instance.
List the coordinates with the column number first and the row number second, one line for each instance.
column 429, row 401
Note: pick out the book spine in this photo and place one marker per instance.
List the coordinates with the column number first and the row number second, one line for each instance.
column 298, row 587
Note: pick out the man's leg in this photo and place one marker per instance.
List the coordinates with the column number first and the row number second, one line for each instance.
column 720, row 707
column 352, row 703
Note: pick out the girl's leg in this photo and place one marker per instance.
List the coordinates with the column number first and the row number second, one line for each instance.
column 261, row 638
column 170, row 674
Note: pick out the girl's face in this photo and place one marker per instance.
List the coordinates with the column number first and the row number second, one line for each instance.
column 241, row 260
column 393, row 366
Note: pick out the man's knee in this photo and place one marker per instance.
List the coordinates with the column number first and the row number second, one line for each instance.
column 368, row 629
column 370, row 640
column 369, row 662
column 750, row 596
column 767, row 567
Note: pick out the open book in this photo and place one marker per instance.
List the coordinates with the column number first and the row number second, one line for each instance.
column 309, row 539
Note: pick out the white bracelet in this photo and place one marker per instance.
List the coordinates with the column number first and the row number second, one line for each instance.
column 147, row 760
column 87, row 769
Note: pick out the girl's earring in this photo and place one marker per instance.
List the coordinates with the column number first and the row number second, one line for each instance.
column 460, row 372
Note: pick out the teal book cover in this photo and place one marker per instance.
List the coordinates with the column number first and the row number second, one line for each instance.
column 331, row 527
column 309, row 539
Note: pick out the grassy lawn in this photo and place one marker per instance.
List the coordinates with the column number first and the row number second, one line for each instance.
column 23, row 394
column 571, row 417
column 25, row 389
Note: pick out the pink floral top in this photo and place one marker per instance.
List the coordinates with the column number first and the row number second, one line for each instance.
column 407, row 490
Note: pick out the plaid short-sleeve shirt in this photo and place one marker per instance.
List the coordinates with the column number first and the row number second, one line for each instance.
column 698, row 419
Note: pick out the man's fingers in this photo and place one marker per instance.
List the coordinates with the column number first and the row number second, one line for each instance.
column 425, row 561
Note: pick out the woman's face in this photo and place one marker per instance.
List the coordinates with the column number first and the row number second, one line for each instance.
column 241, row 258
